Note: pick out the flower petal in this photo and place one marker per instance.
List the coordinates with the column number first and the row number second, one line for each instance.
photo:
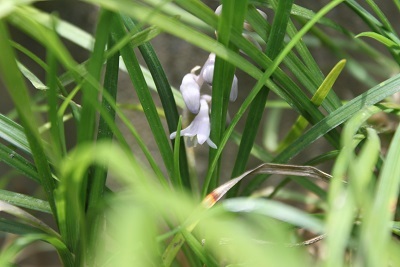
column 211, row 143
column 234, row 89
column 190, row 91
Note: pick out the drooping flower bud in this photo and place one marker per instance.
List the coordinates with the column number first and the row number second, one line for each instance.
column 190, row 91
column 234, row 89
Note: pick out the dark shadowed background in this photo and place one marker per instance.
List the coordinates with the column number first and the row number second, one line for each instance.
column 178, row 58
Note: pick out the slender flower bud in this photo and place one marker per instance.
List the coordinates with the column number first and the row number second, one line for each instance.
column 207, row 71
column 234, row 89
column 190, row 91
column 207, row 75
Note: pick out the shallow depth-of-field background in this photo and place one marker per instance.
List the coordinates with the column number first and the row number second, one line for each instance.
column 275, row 222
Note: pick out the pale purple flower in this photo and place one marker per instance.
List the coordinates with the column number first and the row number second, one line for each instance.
column 246, row 26
column 190, row 90
column 198, row 131
column 207, row 72
column 207, row 75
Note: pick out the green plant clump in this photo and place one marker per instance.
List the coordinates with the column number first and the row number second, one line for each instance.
column 110, row 204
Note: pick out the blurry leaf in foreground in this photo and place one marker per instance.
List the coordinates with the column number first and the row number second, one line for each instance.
column 26, row 217
column 266, row 168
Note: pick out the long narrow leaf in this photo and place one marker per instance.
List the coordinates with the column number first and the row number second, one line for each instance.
column 378, row 222
column 145, row 98
column 13, row 80
column 24, row 201
column 97, row 184
column 256, row 109
column 16, row 161
column 261, row 82
column 342, row 114
column 231, row 18
column 166, row 96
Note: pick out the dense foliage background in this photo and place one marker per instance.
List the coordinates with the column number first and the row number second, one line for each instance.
column 260, row 95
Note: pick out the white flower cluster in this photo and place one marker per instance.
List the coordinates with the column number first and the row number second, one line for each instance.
column 198, row 131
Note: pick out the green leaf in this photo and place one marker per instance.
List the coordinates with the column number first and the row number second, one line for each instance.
column 231, row 19
column 58, row 144
column 199, row 249
column 317, row 99
column 104, row 132
column 8, row 6
column 35, row 81
column 15, row 85
column 276, row 210
column 145, row 99
column 378, row 221
column 18, row 228
column 177, row 179
column 13, row 133
column 136, row 38
column 256, row 110
column 24, row 201
column 27, row 218
column 166, row 96
column 334, row 119
column 378, row 37
column 89, row 93
column 16, row 161
column 265, row 77
column 12, row 250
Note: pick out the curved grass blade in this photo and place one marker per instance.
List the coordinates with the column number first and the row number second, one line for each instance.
column 136, row 38
column 7, row 7
column 104, row 132
column 17, row 228
column 13, row 133
column 176, row 178
column 86, row 131
column 276, row 210
column 15, row 85
column 212, row 198
column 294, row 96
column 342, row 204
column 16, row 161
column 382, row 39
column 97, row 185
column 319, row 96
column 87, row 122
column 24, row 201
column 10, row 253
column 260, row 83
column 198, row 249
column 385, row 22
column 117, row 132
column 58, row 144
column 383, row 208
column 145, row 98
column 256, row 109
column 32, row 78
column 27, row 218
column 231, row 19
column 375, row 25
column 166, row 96
column 308, row 73
column 342, row 114
column 257, row 151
